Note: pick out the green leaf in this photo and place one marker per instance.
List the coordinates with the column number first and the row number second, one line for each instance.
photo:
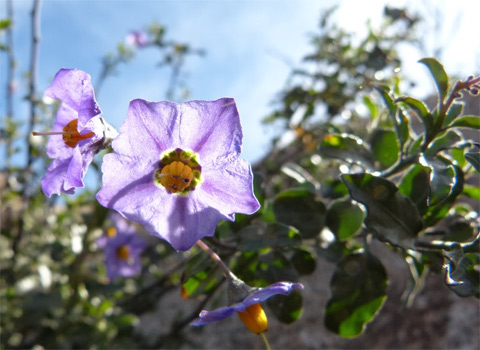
column 359, row 289
column 421, row 110
column 453, row 112
column 460, row 231
column 460, row 273
column 301, row 209
column 303, row 261
column 385, row 147
column 468, row 121
column 274, row 266
column 349, row 148
column 299, row 174
column 333, row 188
column 5, row 23
column 256, row 237
column 439, row 76
column 415, row 185
column 444, row 179
column 445, row 141
column 372, row 107
column 344, row 218
column 390, row 215
column 286, row 308
column 472, row 192
column 473, row 157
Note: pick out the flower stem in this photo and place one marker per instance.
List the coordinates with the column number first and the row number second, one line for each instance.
column 265, row 340
column 226, row 271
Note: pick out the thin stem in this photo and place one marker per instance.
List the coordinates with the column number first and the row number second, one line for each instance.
column 10, row 84
column 265, row 340
column 226, row 271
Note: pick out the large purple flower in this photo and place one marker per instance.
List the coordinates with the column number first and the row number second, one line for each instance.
column 176, row 169
column 123, row 248
column 256, row 296
column 77, row 134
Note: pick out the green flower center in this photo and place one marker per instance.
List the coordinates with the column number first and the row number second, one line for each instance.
column 179, row 171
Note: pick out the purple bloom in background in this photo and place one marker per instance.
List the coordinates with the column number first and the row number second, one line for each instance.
column 123, row 248
column 176, row 169
column 77, row 135
column 255, row 297
column 137, row 38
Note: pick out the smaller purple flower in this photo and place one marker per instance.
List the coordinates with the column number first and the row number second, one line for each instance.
column 255, row 296
column 137, row 38
column 123, row 248
column 77, row 135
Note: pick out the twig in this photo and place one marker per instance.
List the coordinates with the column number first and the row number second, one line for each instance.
column 10, row 85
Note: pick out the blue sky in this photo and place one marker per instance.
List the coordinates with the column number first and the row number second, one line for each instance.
column 251, row 47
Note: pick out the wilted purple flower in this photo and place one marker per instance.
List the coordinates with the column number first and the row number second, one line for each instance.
column 256, row 296
column 123, row 248
column 78, row 132
column 137, row 38
column 176, row 169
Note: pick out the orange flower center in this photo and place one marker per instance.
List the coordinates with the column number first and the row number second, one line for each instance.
column 123, row 252
column 71, row 136
column 254, row 318
column 111, row 232
column 175, row 177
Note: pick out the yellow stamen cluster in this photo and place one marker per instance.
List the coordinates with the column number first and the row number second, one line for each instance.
column 111, row 232
column 71, row 136
column 123, row 252
column 254, row 318
column 176, row 176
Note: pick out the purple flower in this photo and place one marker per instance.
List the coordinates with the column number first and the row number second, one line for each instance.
column 137, row 38
column 77, row 135
column 123, row 248
column 256, row 296
column 176, row 169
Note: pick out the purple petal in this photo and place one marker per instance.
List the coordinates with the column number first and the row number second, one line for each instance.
column 53, row 181
column 148, row 130
column 257, row 296
column 211, row 128
column 74, row 88
column 229, row 188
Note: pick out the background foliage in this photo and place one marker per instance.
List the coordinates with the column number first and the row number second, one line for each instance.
column 404, row 173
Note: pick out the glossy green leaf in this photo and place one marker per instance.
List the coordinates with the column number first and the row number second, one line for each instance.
column 468, row 121
column 344, row 218
column 286, row 308
column 460, row 273
column 472, row 192
column 403, row 128
column 385, row 147
column 473, row 157
column 460, row 231
column 359, row 289
column 444, row 179
column 415, row 185
column 333, row 188
column 300, row 209
column 257, row 237
column 455, row 110
column 274, row 266
column 346, row 147
column 303, row 261
column 439, row 75
column 393, row 217
column 418, row 106
column 372, row 107
column 445, row 141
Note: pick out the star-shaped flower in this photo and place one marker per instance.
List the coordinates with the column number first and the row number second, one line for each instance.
column 78, row 132
column 249, row 309
column 176, row 169
column 123, row 248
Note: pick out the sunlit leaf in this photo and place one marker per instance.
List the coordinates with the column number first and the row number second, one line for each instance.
column 453, row 112
column 439, row 76
column 445, row 178
column 415, row 185
column 472, row 192
column 473, row 157
column 385, row 147
column 392, row 216
column 445, row 141
column 344, row 218
column 468, row 121
column 359, row 289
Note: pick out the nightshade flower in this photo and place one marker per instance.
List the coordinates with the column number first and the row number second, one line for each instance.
column 123, row 248
column 176, row 169
column 77, row 135
column 248, row 308
column 137, row 38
